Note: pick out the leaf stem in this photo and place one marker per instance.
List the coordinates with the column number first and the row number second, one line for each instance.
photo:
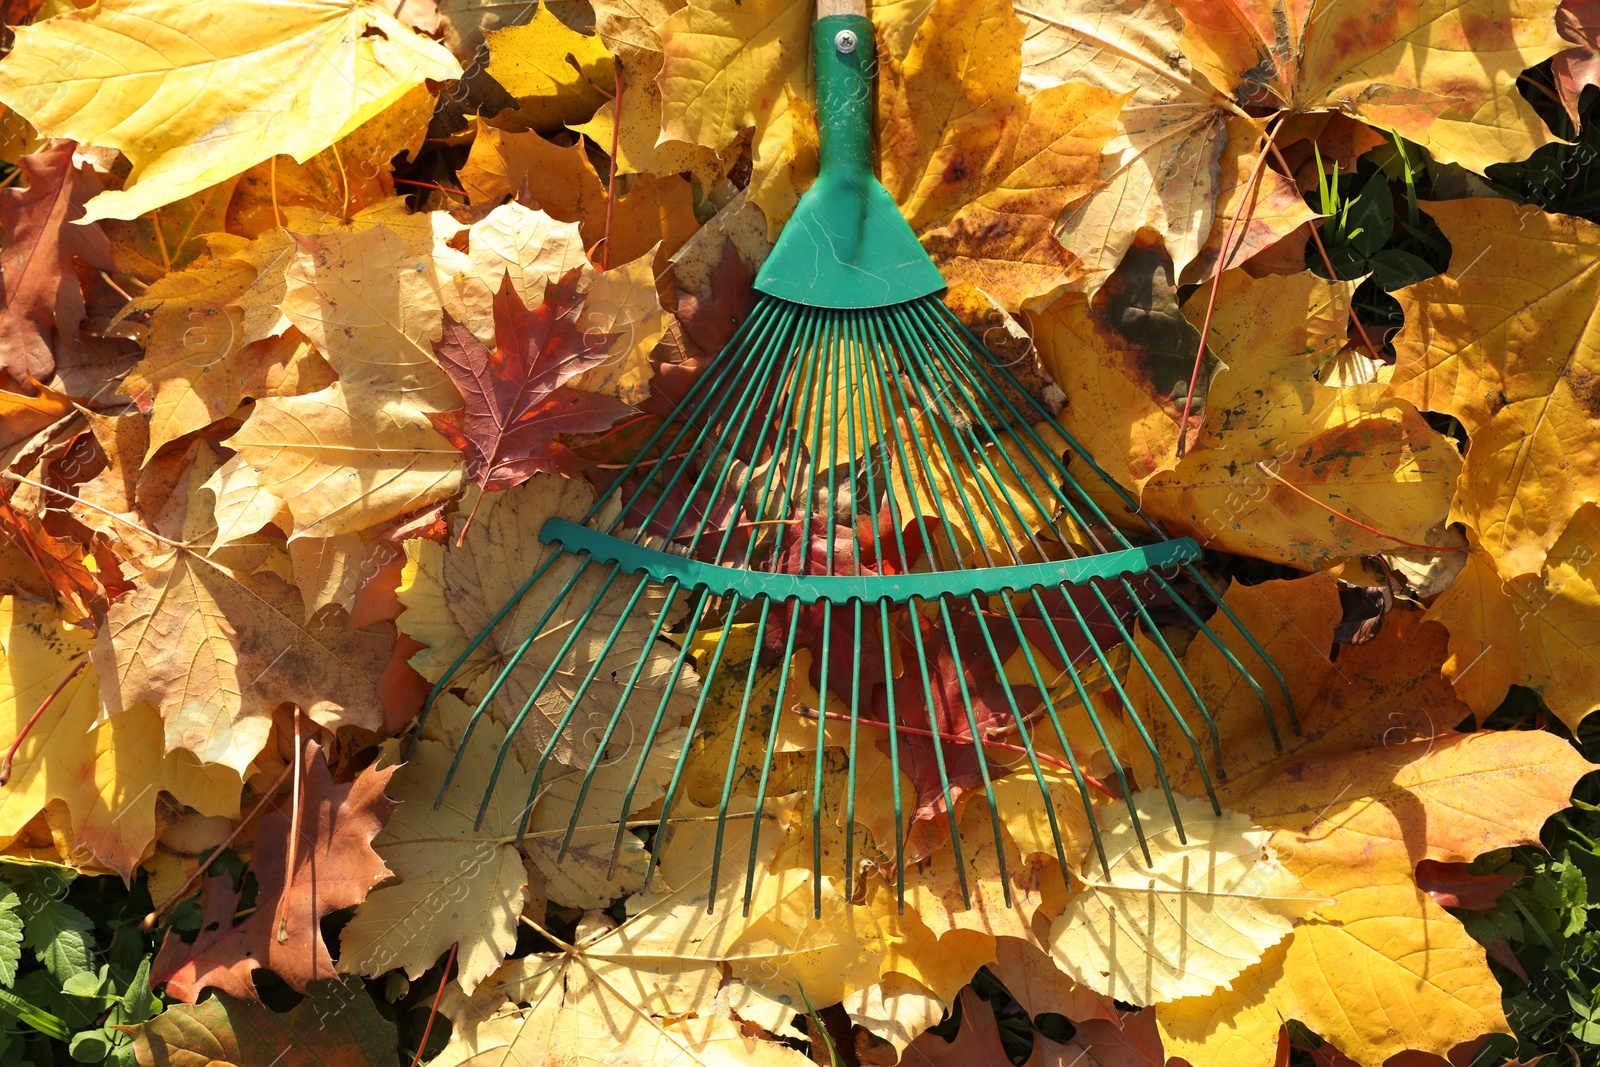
column 294, row 835
column 154, row 917
column 1252, row 187
column 1316, row 237
column 433, row 1012
column 1330, row 509
column 431, row 185
column 5, row 765
column 611, row 180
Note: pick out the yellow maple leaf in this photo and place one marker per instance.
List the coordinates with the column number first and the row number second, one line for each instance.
column 1537, row 631
column 512, row 241
column 1289, row 469
column 369, row 300
column 1376, row 780
column 141, row 76
column 640, row 985
column 981, row 171
column 1184, row 151
column 1506, row 341
column 1123, row 357
column 557, row 74
column 1159, row 171
column 1440, row 72
column 629, row 30
column 458, row 883
column 344, row 179
column 339, row 460
column 215, row 638
column 105, row 776
column 197, row 367
column 725, row 63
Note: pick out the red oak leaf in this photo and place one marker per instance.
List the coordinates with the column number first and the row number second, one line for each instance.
column 517, row 399
column 42, row 300
column 335, row 867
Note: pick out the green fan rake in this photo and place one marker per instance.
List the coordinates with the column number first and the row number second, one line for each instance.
column 857, row 477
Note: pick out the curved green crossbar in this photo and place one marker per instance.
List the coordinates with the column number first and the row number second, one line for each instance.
column 663, row 567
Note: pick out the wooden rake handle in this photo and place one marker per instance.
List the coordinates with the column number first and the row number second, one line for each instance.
column 840, row 7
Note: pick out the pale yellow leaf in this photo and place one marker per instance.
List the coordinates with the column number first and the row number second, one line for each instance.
column 336, row 461
column 457, row 882
column 178, row 86
column 1189, row 921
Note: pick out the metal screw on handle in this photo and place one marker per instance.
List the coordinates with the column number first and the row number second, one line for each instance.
column 845, row 41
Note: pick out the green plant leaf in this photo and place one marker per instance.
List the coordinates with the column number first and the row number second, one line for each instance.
column 1395, row 269
column 37, row 1018
column 1370, row 221
column 10, row 935
column 60, row 935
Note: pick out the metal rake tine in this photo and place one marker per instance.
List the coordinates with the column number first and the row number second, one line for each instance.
column 1088, row 705
column 1132, row 504
column 733, row 757
column 473, row 646
column 1172, row 709
column 880, row 354
column 816, row 780
column 991, row 414
column 908, row 346
column 781, row 427
column 1188, row 684
column 1021, row 720
column 853, row 387
column 708, row 382
column 1283, row 683
column 556, row 602
column 979, row 454
column 766, row 760
column 839, row 343
column 851, row 763
column 927, row 467
column 1200, row 624
column 894, row 771
column 616, row 716
column 683, row 756
column 515, row 661
column 1021, row 421
column 655, row 725
column 1061, row 735
column 1133, row 713
column 938, row 756
column 977, row 742
column 572, row 704
column 911, row 362
column 753, row 384
column 871, row 353
column 729, row 366
column 832, row 343
column 786, row 497
column 527, row 707
column 916, row 635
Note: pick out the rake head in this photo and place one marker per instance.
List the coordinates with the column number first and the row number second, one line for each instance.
column 913, row 548
column 867, row 488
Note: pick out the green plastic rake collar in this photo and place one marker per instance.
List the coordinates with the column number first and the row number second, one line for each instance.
column 840, row 589
column 847, row 245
